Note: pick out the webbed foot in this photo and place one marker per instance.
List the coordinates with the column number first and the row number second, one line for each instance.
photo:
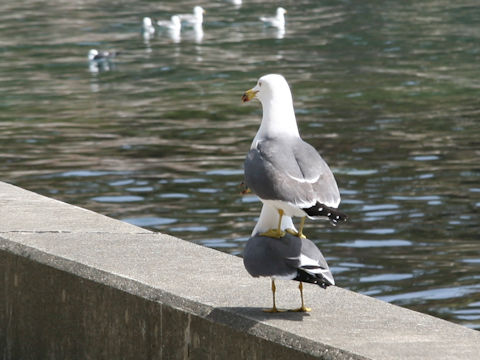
column 301, row 309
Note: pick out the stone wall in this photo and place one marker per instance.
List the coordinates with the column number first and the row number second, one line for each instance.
column 79, row 285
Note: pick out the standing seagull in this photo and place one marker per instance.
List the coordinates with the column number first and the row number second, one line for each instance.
column 284, row 171
column 289, row 257
column 277, row 21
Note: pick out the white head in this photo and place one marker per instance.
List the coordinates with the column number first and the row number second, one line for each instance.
column 198, row 11
column 92, row 53
column 281, row 12
column 278, row 118
column 270, row 88
column 147, row 22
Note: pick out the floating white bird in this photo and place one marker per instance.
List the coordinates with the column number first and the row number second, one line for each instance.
column 174, row 24
column 289, row 257
column 283, row 170
column 95, row 55
column 277, row 21
column 147, row 26
column 194, row 19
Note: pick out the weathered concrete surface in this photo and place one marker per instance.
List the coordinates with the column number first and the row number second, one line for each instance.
column 22, row 210
column 80, row 285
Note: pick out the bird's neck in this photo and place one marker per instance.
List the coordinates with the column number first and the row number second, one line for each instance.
column 281, row 19
column 278, row 120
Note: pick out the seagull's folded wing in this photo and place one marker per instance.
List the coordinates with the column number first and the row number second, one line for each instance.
column 290, row 170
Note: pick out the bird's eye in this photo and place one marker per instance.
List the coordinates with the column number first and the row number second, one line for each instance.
column 260, row 84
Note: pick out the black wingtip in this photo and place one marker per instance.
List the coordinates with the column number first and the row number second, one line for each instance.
column 320, row 210
column 317, row 279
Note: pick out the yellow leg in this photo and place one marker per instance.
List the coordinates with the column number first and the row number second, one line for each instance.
column 302, row 308
column 274, row 307
column 276, row 233
column 298, row 233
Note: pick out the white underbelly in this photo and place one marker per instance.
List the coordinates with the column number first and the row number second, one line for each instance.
column 289, row 209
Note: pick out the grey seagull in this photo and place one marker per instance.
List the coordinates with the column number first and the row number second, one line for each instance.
column 288, row 257
column 284, row 171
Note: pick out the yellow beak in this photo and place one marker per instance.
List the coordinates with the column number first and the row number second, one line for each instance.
column 249, row 95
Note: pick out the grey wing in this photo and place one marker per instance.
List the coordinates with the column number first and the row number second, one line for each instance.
column 269, row 181
column 265, row 256
column 290, row 171
column 317, row 174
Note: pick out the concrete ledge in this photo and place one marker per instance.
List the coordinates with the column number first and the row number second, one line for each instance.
column 77, row 284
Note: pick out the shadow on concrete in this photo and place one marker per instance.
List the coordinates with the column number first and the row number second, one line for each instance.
column 245, row 318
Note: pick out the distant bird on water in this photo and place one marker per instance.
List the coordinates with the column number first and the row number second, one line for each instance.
column 277, row 21
column 147, row 27
column 173, row 27
column 95, row 55
column 288, row 257
column 195, row 19
column 101, row 60
column 174, row 24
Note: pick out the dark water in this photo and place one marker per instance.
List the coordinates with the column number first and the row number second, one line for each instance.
column 388, row 91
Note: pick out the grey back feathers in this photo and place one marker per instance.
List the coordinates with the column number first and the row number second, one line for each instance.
column 289, row 257
column 291, row 170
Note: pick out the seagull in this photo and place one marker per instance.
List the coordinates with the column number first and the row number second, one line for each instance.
column 195, row 19
column 288, row 258
column 97, row 56
column 174, row 24
column 283, row 170
column 147, row 26
column 277, row 21
column 100, row 60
